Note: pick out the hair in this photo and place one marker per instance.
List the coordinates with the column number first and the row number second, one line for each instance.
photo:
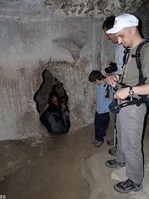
column 95, row 75
column 54, row 94
column 109, row 22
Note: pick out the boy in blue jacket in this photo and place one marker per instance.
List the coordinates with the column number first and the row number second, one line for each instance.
column 102, row 100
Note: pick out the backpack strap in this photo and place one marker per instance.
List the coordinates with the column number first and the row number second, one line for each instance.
column 137, row 55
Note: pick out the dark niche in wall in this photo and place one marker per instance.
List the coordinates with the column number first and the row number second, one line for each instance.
column 52, row 104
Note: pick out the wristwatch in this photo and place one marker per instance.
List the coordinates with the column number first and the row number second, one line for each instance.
column 131, row 92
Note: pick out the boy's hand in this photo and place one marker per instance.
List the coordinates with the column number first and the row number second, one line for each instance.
column 94, row 100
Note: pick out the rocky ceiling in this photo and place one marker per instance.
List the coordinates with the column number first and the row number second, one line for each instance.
column 95, row 8
column 80, row 8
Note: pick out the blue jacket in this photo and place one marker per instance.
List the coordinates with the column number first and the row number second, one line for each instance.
column 102, row 103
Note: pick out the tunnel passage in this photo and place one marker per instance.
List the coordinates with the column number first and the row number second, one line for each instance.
column 52, row 104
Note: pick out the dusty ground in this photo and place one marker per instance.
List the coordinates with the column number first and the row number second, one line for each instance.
column 63, row 167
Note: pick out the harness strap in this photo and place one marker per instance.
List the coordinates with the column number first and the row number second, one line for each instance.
column 136, row 101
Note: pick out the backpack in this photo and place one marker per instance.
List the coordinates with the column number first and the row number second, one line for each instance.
column 137, row 55
column 142, row 79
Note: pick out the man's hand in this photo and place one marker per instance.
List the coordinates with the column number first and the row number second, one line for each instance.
column 111, row 79
column 121, row 93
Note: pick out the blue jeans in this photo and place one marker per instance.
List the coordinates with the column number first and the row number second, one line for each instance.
column 101, row 123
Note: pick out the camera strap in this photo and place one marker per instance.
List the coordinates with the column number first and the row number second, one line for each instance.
column 125, row 61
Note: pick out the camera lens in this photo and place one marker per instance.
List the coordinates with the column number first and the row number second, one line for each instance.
column 111, row 68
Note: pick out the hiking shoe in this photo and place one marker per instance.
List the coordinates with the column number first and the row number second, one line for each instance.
column 98, row 143
column 112, row 151
column 127, row 186
column 114, row 164
column 110, row 142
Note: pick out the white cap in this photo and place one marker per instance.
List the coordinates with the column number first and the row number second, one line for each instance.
column 123, row 21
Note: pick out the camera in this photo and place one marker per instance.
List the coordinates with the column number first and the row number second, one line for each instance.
column 107, row 92
column 114, row 107
column 112, row 68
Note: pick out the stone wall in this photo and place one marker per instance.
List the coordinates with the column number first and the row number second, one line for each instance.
column 28, row 45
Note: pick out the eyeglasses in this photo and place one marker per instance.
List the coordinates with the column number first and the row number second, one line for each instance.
column 126, row 55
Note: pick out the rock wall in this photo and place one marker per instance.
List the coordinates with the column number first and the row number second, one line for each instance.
column 97, row 8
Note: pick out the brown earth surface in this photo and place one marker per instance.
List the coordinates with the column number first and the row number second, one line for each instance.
column 62, row 167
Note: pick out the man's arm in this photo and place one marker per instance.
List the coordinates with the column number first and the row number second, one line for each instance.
column 141, row 90
column 138, row 90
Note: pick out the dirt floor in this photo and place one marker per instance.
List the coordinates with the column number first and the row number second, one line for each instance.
column 63, row 167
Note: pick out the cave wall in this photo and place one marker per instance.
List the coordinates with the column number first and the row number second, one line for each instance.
column 34, row 39
column 27, row 48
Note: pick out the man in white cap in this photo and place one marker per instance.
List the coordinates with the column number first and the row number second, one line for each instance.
column 130, row 119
